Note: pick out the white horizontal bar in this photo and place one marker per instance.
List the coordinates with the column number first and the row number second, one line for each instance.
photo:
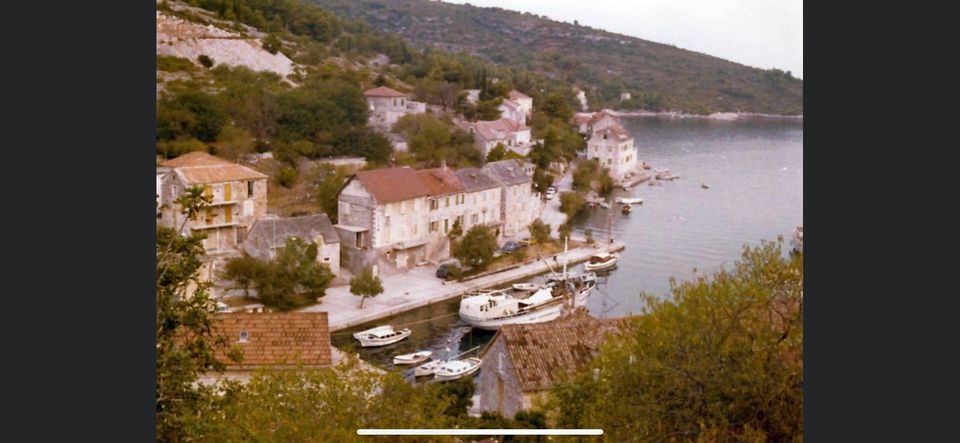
column 479, row 431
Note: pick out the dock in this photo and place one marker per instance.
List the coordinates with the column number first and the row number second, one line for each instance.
column 419, row 287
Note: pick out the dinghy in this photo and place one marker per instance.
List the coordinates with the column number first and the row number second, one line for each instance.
column 456, row 369
column 381, row 336
column 629, row 200
column 412, row 359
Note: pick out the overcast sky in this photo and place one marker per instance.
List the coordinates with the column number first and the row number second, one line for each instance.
column 761, row 33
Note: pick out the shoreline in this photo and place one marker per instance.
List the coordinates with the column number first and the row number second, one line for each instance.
column 721, row 116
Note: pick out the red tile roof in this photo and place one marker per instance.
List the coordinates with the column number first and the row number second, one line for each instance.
column 547, row 353
column 441, row 181
column 517, row 95
column 383, row 91
column 496, row 129
column 390, row 185
column 201, row 168
column 275, row 339
column 615, row 131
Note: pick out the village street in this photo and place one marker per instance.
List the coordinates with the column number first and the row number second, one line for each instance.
column 551, row 211
column 419, row 286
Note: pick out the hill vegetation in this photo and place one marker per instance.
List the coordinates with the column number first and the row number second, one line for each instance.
column 604, row 64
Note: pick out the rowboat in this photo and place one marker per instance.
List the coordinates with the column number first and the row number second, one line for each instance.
column 626, row 209
column 413, row 358
column 427, row 368
column 456, row 369
column 601, row 260
column 526, row 287
column 381, row 336
column 629, row 200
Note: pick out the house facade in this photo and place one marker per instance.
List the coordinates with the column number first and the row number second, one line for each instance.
column 388, row 105
column 519, row 204
column 483, row 198
column 488, row 134
column 613, row 147
column 517, row 107
column 238, row 197
column 271, row 340
column 589, row 122
column 270, row 234
column 524, row 361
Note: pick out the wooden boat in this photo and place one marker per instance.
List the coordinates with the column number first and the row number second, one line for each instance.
column 601, row 260
column 629, row 200
column 381, row 336
column 427, row 368
column 526, row 287
column 412, row 359
column 626, row 209
column 490, row 310
column 456, row 369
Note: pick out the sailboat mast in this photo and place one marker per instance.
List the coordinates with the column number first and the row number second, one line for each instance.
column 566, row 256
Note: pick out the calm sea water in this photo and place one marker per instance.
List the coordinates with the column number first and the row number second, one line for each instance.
column 755, row 173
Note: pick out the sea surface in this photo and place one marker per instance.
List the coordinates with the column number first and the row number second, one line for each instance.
column 754, row 170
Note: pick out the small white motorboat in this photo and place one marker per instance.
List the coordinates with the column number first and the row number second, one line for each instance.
column 526, row 287
column 601, row 260
column 427, row 368
column 412, row 359
column 605, row 205
column 626, row 188
column 629, row 200
column 704, row 186
column 381, row 336
column 456, row 369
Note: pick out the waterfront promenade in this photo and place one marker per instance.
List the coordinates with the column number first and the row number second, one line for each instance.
column 420, row 287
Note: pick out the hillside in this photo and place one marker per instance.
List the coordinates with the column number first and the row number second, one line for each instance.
column 658, row 76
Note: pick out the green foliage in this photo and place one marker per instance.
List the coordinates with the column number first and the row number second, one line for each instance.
column 564, row 231
column 590, row 176
column 560, row 143
column 294, row 278
column 321, row 405
column 539, row 231
column 286, row 176
column 432, row 140
column 722, row 360
column 460, row 392
column 437, row 92
column 328, row 181
column 499, row 152
column 365, row 285
column 541, row 180
column 556, row 106
column 477, row 247
column 272, row 43
column 189, row 114
column 456, row 230
column 170, row 63
column 206, row 61
column 571, row 203
column 174, row 148
column 244, row 271
column 588, row 235
column 488, row 109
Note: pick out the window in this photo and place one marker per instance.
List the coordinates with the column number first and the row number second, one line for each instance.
column 243, row 336
column 326, row 259
column 250, row 189
column 446, row 225
column 433, row 226
column 434, row 204
column 448, row 202
column 474, row 218
column 345, row 208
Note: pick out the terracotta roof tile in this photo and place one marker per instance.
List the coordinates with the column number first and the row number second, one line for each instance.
column 441, row 181
column 276, row 339
column 547, row 353
column 390, row 185
column 383, row 91
column 201, row 168
column 614, row 130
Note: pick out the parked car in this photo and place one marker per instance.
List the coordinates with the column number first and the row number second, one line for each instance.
column 509, row 247
column 524, row 243
column 550, row 193
column 443, row 271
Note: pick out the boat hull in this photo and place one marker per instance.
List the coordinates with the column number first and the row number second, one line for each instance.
column 426, row 368
column 537, row 316
column 600, row 266
column 449, row 377
column 368, row 342
column 411, row 359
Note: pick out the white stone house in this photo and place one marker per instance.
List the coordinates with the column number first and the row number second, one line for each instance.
column 588, row 122
column 519, row 204
column 270, row 234
column 613, row 147
column 388, row 105
column 483, row 199
column 516, row 107
column 473, row 95
column 487, row 134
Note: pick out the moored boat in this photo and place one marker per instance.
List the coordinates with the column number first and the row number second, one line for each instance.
column 412, row 359
column 427, row 368
column 626, row 209
column 381, row 336
column 601, row 260
column 491, row 309
column 456, row 369
column 629, row 200
column 525, row 287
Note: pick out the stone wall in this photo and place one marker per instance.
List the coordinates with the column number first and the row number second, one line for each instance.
column 498, row 385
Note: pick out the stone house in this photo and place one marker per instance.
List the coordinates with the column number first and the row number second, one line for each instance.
column 473, row 95
column 516, row 107
column 524, row 361
column 487, row 134
column 238, row 197
column 271, row 340
column 388, row 105
column 270, row 234
column 483, row 200
column 519, row 204
column 613, row 147
column 587, row 123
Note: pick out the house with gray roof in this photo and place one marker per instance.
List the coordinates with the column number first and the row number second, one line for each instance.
column 519, row 204
column 483, row 199
column 268, row 235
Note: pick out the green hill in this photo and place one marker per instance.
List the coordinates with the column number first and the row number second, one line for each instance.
column 604, row 64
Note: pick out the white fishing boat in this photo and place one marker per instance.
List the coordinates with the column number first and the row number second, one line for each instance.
column 601, row 260
column 629, row 200
column 427, row 368
column 492, row 309
column 381, row 336
column 580, row 285
column 525, row 287
column 456, row 369
column 412, row 359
